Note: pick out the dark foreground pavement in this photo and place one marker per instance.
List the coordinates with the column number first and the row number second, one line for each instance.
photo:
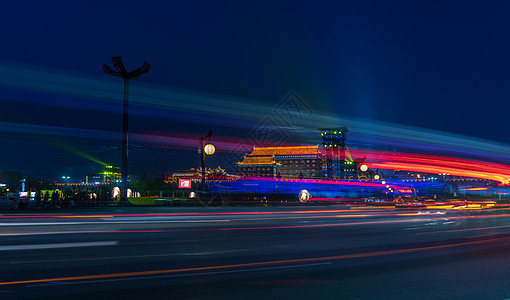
column 254, row 253
column 474, row 275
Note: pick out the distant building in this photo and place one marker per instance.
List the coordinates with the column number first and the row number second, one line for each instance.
column 331, row 159
column 3, row 189
column 195, row 175
column 336, row 156
column 108, row 174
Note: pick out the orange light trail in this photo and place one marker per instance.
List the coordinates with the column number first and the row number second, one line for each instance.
column 263, row 263
column 477, row 189
column 432, row 164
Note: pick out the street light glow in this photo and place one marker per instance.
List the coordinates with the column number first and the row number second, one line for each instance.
column 209, row 149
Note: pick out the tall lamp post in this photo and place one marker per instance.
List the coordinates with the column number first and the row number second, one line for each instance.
column 126, row 76
column 205, row 149
column 203, row 141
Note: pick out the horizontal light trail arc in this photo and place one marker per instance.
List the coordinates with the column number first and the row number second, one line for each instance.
column 184, row 214
column 429, row 217
column 432, row 164
column 113, row 221
column 323, row 182
column 160, row 97
column 430, row 160
column 271, row 227
column 45, row 224
column 190, row 141
column 167, row 98
column 57, row 245
column 476, row 189
column 51, row 233
column 263, row 263
column 373, row 158
column 385, row 211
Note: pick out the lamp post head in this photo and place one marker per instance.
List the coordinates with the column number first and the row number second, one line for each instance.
column 207, row 137
column 141, row 70
column 117, row 64
column 109, row 71
column 120, row 70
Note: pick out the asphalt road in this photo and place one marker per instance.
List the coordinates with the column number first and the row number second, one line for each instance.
column 325, row 252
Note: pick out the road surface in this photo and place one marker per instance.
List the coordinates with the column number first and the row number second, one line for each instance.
column 324, row 252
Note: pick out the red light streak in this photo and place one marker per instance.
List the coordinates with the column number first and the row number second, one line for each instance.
column 372, row 158
column 432, row 164
column 373, row 184
column 113, row 216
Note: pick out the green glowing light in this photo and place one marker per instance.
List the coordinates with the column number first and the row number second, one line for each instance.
column 60, row 143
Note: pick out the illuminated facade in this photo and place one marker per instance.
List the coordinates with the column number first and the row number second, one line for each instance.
column 109, row 174
column 331, row 159
column 336, row 156
column 289, row 161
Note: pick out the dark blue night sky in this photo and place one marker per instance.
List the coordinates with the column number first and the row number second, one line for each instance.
column 438, row 65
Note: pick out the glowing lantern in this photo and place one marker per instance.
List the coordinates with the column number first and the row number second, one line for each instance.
column 363, row 168
column 115, row 192
column 304, row 196
column 209, row 149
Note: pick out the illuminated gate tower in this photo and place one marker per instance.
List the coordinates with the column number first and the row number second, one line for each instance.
column 333, row 141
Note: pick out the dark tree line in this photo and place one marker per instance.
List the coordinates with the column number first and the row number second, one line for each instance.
column 13, row 181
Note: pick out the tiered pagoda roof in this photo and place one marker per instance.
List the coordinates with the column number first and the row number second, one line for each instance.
column 264, row 160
